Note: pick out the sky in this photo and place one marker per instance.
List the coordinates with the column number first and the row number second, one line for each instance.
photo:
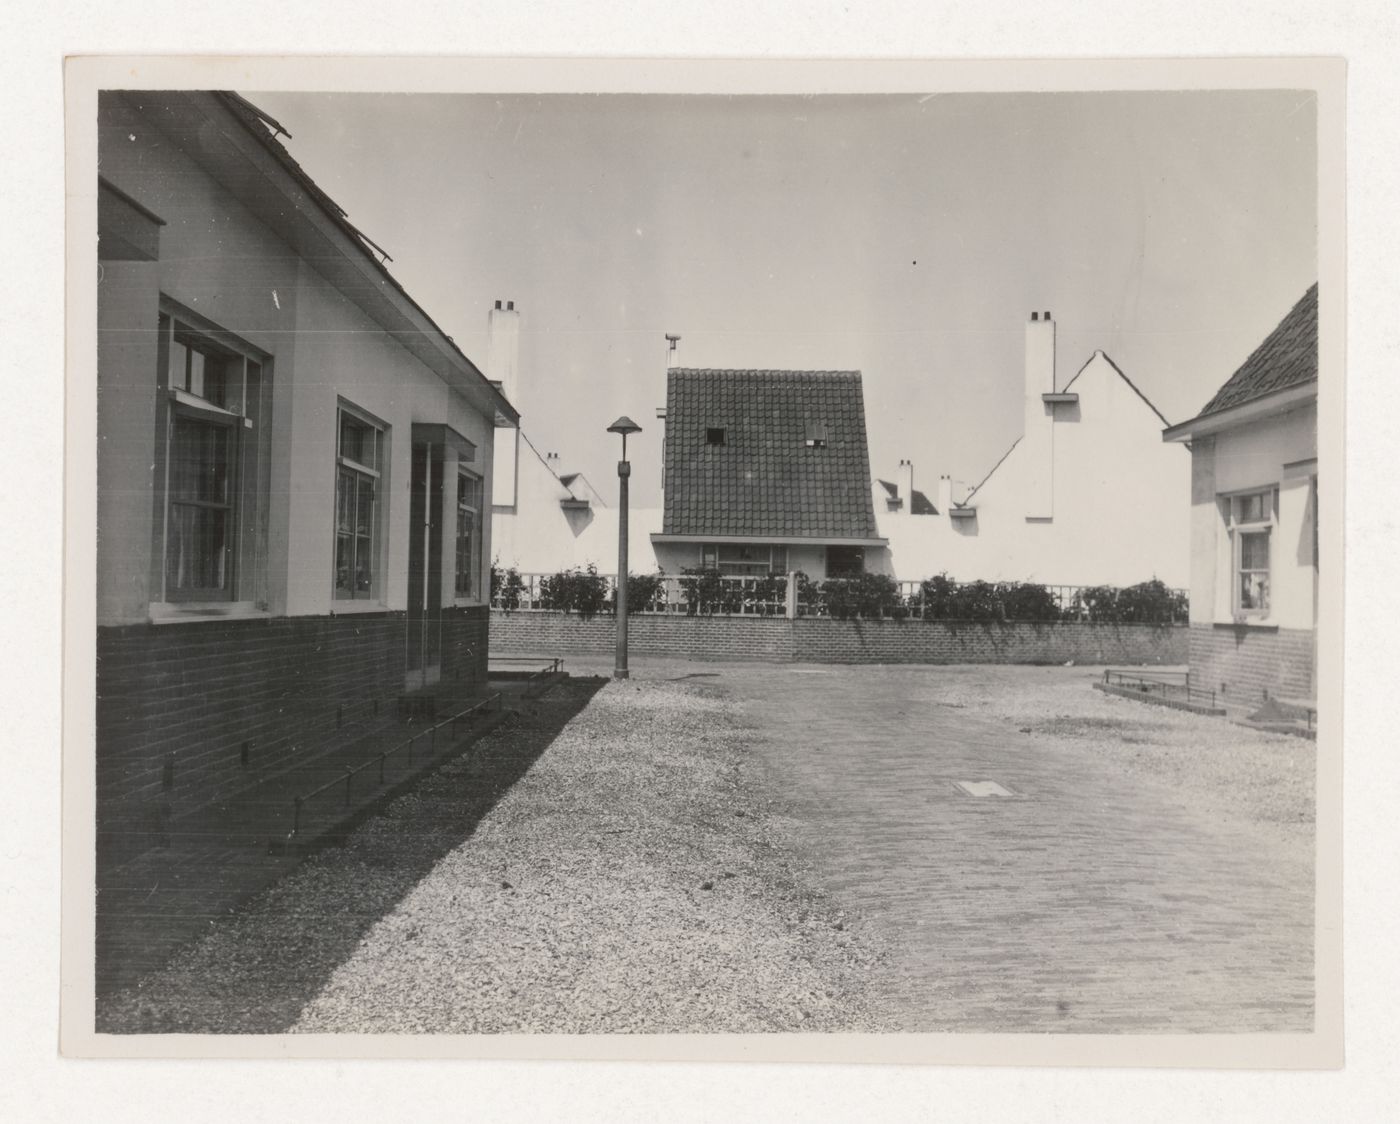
column 907, row 237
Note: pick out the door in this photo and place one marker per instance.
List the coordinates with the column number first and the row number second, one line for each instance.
column 423, row 643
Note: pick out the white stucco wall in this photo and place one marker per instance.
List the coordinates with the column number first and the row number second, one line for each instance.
column 1278, row 452
column 219, row 260
column 1121, row 509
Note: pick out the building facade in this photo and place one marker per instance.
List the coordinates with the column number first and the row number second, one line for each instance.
column 766, row 472
column 1254, row 547
column 1087, row 495
column 294, row 468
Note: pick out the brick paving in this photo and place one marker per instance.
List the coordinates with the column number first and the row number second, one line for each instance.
column 1098, row 898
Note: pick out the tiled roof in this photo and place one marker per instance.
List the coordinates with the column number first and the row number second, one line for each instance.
column 765, row 480
column 1287, row 357
column 922, row 504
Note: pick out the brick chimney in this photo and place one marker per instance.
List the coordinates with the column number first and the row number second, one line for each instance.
column 945, row 494
column 1037, row 451
column 502, row 368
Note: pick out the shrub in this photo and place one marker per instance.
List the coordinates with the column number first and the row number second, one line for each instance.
column 1151, row 602
column 871, row 596
column 1096, row 603
column 506, row 587
column 947, row 600
column 706, row 593
column 644, row 592
column 1027, row 601
column 584, row 592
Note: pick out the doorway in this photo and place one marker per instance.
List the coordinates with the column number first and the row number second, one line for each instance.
column 423, row 637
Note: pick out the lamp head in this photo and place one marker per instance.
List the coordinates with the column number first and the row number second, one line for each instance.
column 624, row 425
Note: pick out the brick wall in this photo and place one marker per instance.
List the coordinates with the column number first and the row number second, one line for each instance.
column 820, row 640
column 1244, row 663
column 189, row 713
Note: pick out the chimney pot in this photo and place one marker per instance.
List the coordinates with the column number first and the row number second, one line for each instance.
column 498, row 304
column 510, row 307
column 1034, row 315
column 1046, row 316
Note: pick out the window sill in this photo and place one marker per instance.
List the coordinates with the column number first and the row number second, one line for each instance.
column 357, row 605
column 186, row 612
column 467, row 603
column 1259, row 624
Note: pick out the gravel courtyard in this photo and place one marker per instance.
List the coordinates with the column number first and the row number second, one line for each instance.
column 720, row 847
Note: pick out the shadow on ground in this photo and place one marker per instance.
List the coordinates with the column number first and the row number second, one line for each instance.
column 258, row 967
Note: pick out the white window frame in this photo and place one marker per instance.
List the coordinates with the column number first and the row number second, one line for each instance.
column 364, row 475
column 1241, row 525
column 235, row 410
column 777, row 559
column 475, row 518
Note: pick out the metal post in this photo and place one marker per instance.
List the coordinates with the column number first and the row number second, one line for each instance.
column 624, row 470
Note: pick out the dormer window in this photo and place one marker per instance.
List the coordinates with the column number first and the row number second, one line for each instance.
column 816, row 435
column 714, row 435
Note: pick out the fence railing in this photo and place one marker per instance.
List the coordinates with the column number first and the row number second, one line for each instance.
column 868, row 596
column 1169, row 685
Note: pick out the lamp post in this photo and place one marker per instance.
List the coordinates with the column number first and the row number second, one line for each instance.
column 624, row 425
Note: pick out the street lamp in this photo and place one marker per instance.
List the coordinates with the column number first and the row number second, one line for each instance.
column 624, row 425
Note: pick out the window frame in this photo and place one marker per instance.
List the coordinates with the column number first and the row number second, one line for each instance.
column 1240, row 526
column 363, row 475
column 474, row 591
column 710, row 559
column 233, row 414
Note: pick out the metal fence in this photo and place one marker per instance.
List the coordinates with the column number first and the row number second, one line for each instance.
column 717, row 594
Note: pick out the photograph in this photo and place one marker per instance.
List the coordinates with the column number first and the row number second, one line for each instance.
column 785, row 562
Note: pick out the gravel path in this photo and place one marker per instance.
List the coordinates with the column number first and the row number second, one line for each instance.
column 631, row 880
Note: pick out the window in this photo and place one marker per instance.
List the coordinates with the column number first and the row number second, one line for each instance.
column 468, row 535
column 816, row 435
column 714, row 435
column 211, row 501
column 845, row 561
column 1251, row 524
column 359, row 464
column 744, row 558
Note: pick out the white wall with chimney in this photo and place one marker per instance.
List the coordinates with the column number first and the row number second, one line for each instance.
column 1089, row 495
column 502, row 366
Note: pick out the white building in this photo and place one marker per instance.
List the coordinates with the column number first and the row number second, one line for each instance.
column 1087, row 495
column 1254, row 558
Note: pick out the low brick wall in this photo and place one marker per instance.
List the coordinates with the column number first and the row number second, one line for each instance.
column 189, row 713
column 820, row 640
column 1244, row 663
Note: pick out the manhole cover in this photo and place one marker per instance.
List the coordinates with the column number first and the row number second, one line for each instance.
column 982, row 788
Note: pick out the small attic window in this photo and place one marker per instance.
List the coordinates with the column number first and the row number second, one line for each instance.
column 714, row 435
column 816, row 435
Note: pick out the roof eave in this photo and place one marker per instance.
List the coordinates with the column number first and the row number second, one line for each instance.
column 664, row 537
column 1264, row 406
column 394, row 310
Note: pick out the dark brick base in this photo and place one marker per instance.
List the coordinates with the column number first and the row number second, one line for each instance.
column 190, row 713
column 1244, row 665
column 819, row 640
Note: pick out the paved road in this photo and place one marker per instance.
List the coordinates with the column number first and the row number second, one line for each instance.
column 1099, row 897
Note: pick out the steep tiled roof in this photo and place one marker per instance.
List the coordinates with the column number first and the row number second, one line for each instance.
column 1287, row 357
column 765, row 480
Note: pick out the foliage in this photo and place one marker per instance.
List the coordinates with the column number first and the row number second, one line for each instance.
column 584, row 592
column 1027, row 601
column 506, row 586
column 644, row 593
column 1095, row 603
column 870, row 596
column 1151, row 602
column 947, row 600
column 708, row 592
